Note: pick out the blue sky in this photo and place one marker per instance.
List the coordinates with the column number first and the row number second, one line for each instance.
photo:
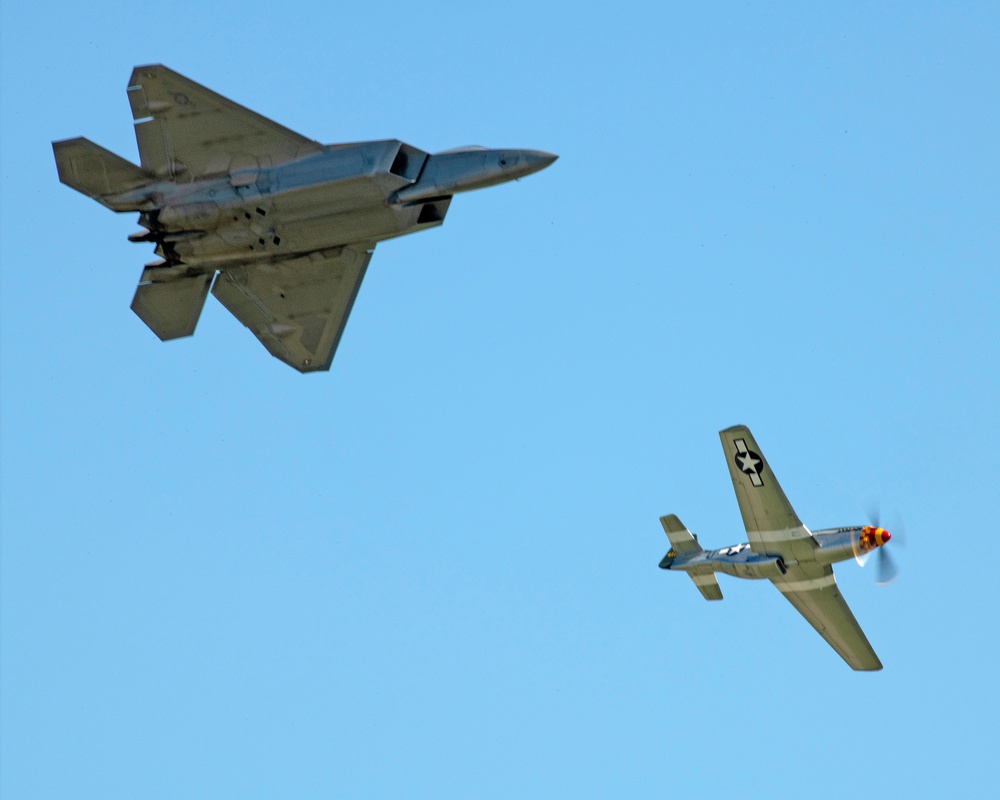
column 432, row 571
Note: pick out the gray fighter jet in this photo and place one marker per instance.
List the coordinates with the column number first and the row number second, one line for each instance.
column 796, row 560
column 288, row 224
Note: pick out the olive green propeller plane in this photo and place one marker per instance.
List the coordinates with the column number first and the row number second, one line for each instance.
column 288, row 224
column 781, row 549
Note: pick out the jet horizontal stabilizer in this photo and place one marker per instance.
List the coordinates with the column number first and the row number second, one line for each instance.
column 171, row 308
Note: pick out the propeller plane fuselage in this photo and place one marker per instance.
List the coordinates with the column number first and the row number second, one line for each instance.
column 832, row 546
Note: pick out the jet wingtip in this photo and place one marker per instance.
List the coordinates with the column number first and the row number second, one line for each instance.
column 140, row 71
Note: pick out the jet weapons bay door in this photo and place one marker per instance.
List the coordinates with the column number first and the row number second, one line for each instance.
column 253, row 224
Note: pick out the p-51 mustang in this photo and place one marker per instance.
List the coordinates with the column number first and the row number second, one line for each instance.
column 796, row 560
column 288, row 223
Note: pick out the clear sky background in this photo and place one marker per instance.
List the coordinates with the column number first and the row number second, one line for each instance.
column 432, row 571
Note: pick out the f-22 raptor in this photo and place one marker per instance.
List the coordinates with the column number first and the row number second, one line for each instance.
column 796, row 560
column 288, row 224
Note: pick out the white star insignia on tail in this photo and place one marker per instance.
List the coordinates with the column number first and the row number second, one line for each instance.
column 748, row 462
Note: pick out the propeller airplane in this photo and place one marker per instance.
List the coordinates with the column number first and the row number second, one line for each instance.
column 783, row 550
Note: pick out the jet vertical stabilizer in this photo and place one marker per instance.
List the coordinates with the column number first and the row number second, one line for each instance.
column 99, row 173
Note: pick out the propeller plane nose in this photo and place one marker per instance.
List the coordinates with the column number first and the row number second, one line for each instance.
column 871, row 539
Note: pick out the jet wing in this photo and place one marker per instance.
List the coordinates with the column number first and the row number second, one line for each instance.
column 297, row 307
column 772, row 525
column 184, row 129
column 812, row 589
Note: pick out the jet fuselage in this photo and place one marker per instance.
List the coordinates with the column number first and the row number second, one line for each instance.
column 347, row 193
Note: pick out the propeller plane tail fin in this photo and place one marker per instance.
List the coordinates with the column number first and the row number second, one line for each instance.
column 683, row 543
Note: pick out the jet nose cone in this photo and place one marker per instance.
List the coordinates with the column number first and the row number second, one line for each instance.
column 515, row 164
column 538, row 159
